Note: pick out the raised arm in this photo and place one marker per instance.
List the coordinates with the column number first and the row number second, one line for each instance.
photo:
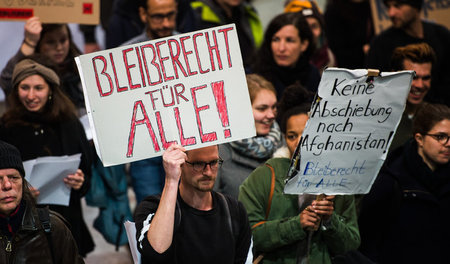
column 33, row 28
column 160, row 233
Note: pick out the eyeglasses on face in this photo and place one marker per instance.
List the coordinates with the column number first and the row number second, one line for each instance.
column 159, row 18
column 441, row 138
column 201, row 165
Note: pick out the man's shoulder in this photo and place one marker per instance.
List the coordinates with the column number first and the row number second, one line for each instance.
column 149, row 203
column 387, row 34
column 432, row 25
column 58, row 219
column 434, row 30
column 139, row 38
column 51, row 219
column 225, row 197
column 231, row 203
column 232, row 209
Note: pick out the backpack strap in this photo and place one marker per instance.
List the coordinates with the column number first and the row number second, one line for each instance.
column 232, row 222
column 44, row 217
column 269, row 203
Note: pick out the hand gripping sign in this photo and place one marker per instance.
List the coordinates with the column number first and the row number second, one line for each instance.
column 188, row 89
column 346, row 139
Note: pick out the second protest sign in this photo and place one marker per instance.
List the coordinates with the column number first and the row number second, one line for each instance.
column 348, row 134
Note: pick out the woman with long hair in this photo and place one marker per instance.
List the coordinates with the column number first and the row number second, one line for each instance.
column 284, row 57
column 41, row 121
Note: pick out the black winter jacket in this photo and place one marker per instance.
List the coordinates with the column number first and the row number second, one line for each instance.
column 404, row 216
column 30, row 245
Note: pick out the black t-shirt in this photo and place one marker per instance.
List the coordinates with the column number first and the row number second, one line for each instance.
column 200, row 236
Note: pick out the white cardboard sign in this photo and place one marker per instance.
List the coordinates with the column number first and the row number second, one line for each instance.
column 188, row 88
column 349, row 131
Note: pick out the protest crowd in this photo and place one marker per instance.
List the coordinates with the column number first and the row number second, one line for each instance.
column 226, row 202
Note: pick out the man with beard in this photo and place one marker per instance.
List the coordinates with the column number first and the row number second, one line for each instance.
column 159, row 17
column 419, row 58
column 189, row 222
column 408, row 28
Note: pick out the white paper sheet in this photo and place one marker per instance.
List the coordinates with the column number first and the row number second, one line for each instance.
column 47, row 173
column 131, row 234
column 87, row 127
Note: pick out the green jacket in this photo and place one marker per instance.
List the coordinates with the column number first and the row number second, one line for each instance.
column 280, row 236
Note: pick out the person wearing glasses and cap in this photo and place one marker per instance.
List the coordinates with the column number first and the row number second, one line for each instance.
column 403, row 216
column 22, row 235
column 189, row 222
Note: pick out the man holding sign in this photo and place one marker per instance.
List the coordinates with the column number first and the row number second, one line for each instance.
column 189, row 222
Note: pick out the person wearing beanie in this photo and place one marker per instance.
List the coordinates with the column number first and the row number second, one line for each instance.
column 408, row 28
column 22, row 235
column 41, row 121
column 322, row 57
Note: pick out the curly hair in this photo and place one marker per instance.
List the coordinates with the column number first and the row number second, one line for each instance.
column 295, row 100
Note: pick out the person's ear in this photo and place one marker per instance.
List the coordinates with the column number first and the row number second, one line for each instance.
column 143, row 14
column 419, row 139
column 304, row 45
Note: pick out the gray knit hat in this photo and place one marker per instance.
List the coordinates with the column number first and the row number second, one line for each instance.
column 28, row 67
column 10, row 158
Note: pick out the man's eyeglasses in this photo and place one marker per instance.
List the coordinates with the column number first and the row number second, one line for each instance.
column 201, row 166
column 441, row 138
column 159, row 18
